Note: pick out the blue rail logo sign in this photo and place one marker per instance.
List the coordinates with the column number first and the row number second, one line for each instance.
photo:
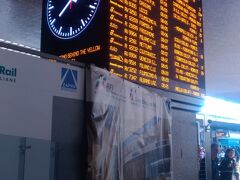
column 8, row 74
column 69, row 79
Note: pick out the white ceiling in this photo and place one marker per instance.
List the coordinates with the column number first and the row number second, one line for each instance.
column 222, row 48
column 21, row 20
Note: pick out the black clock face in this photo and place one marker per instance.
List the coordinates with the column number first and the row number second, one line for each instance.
column 69, row 18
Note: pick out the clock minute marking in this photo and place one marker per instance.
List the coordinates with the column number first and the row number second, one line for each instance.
column 66, row 6
column 92, row 7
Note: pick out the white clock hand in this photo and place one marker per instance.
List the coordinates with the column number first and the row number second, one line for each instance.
column 61, row 13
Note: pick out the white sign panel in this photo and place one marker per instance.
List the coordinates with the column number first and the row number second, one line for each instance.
column 27, row 86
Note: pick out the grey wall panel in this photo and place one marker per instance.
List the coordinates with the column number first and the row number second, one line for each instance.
column 67, row 120
column 184, row 139
column 68, row 162
column 37, row 159
column 9, row 157
column 68, row 135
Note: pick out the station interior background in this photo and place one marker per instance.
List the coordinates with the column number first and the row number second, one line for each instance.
column 21, row 23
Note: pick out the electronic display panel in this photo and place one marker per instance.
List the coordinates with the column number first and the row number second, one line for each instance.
column 76, row 30
column 158, row 43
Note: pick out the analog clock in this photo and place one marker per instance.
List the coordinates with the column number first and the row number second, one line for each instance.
column 69, row 18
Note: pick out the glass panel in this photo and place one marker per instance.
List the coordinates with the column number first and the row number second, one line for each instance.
column 9, row 157
column 37, row 159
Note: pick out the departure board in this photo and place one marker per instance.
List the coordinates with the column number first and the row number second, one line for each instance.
column 158, row 43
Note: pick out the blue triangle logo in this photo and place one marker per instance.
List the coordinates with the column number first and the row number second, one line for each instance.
column 69, row 79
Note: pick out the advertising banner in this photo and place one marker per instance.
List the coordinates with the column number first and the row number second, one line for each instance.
column 131, row 130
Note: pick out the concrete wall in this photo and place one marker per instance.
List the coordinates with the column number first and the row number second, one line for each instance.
column 184, row 137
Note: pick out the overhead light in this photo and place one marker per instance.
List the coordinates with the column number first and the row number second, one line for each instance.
column 219, row 107
column 234, row 135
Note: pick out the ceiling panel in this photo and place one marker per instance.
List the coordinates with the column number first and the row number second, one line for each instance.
column 221, row 48
column 21, row 21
